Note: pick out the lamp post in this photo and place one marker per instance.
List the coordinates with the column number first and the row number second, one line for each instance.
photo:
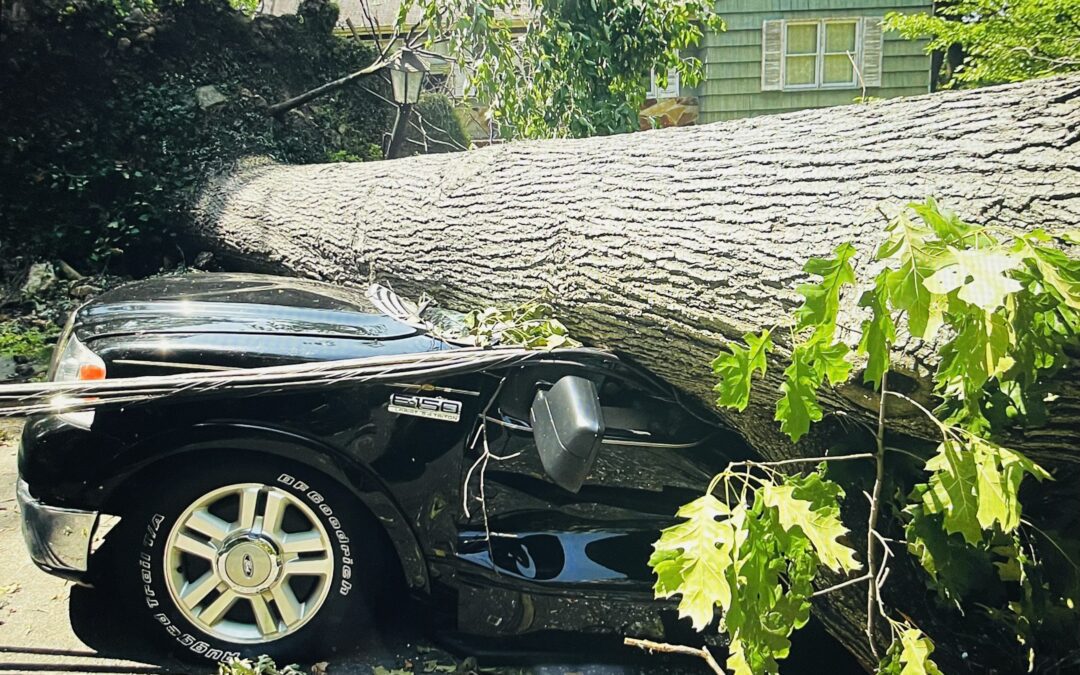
column 407, row 71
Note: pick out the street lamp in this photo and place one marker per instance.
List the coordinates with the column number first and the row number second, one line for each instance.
column 407, row 71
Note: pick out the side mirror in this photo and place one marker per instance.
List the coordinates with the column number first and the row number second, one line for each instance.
column 568, row 427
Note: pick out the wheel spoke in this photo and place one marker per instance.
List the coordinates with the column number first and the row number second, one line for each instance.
column 189, row 544
column 287, row 605
column 274, row 511
column 240, row 549
column 249, row 497
column 318, row 567
column 265, row 620
column 303, row 542
column 196, row 591
column 206, row 523
column 218, row 608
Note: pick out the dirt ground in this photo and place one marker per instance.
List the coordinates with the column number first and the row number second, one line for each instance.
column 38, row 633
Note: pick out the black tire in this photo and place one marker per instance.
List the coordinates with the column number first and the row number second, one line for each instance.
column 137, row 560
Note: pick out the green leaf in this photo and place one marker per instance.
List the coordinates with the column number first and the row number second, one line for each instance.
column 918, row 259
column 956, row 569
column 975, row 486
column 737, row 366
column 1058, row 271
column 1001, row 471
column 979, row 350
column 798, row 406
column 945, row 224
column 808, row 506
column 878, row 332
column 953, row 491
column 981, row 276
column 703, row 548
column 764, row 611
column 910, row 655
column 830, row 360
column 822, row 299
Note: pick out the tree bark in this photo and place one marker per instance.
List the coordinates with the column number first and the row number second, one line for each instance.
column 666, row 244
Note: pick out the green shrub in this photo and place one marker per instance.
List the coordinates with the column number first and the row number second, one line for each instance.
column 441, row 124
column 104, row 146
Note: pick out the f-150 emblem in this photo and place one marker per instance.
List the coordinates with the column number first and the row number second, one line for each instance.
column 423, row 406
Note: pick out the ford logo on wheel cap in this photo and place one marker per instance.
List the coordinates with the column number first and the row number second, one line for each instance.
column 248, row 565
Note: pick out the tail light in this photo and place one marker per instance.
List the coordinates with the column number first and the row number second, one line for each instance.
column 77, row 363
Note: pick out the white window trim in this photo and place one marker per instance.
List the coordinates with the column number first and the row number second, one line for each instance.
column 672, row 90
column 819, row 55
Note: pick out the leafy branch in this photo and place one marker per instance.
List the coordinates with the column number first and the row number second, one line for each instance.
column 531, row 325
column 1000, row 306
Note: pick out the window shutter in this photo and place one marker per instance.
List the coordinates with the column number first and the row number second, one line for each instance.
column 871, row 51
column 460, row 81
column 670, row 91
column 772, row 55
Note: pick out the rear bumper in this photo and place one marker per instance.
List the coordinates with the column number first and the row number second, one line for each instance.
column 58, row 538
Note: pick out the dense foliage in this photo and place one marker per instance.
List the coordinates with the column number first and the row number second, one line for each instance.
column 1002, row 41
column 1001, row 308
column 578, row 68
column 435, row 127
column 105, row 142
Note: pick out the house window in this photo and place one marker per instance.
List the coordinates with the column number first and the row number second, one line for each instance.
column 670, row 91
column 820, row 54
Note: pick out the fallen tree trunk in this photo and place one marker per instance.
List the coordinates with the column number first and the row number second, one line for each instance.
column 664, row 245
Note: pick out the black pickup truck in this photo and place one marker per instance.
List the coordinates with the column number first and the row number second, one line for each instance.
column 515, row 499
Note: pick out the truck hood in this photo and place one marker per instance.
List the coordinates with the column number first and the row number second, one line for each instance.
column 234, row 304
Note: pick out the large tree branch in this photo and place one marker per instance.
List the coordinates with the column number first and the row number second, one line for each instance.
column 667, row 244
column 322, row 90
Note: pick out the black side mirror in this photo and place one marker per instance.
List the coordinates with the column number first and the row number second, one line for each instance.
column 568, row 427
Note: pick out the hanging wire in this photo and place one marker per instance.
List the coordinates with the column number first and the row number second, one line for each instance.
column 58, row 397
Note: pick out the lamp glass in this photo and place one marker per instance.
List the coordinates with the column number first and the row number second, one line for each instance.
column 407, row 76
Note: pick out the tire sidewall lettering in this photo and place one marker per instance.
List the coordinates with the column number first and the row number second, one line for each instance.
column 320, row 504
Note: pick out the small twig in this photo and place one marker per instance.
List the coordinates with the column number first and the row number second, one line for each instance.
column 1053, row 542
column 872, row 590
column 906, row 452
column 946, row 431
column 811, row 460
column 650, row 646
column 849, row 582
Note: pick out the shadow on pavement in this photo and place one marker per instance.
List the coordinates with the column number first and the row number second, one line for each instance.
column 402, row 646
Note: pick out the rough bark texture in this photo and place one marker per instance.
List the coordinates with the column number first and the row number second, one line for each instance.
column 665, row 244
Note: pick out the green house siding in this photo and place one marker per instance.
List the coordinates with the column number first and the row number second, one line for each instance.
column 732, row 86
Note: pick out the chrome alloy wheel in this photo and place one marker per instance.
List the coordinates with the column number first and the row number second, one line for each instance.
column 248, row 563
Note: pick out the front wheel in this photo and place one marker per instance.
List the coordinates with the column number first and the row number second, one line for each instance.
column 249, row 558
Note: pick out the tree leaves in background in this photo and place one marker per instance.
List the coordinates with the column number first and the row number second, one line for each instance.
column 577, row 69
column 1000, row 41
